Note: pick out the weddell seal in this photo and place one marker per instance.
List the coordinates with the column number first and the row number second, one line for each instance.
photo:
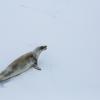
column 22, row 64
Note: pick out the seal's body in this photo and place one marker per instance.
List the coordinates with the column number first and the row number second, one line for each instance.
column 22, row 64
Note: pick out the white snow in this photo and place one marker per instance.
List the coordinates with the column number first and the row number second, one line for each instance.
column 70, row 66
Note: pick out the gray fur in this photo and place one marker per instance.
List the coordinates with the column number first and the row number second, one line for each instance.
column 22, row 64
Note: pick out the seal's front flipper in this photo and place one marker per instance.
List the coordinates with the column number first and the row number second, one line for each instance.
column 38, row 68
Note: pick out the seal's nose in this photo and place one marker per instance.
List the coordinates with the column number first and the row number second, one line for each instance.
column 43, row 47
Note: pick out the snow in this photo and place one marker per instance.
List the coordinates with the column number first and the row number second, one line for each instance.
column 70, row 66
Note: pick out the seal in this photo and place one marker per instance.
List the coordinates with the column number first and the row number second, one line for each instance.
column 22, row 64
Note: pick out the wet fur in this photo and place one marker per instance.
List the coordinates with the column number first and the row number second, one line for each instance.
column 22, row 64
column 19, row 66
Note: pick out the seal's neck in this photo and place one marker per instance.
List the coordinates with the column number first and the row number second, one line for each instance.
column 36, row 53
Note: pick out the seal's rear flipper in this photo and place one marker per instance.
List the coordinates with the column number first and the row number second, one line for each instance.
column 3, row 82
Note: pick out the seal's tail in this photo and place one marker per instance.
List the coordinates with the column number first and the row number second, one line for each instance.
column 1, row 80
column 1, row 77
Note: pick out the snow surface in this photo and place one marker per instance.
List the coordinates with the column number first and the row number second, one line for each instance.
column 70, row 66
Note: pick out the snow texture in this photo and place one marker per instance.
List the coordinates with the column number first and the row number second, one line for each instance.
column 70, row 66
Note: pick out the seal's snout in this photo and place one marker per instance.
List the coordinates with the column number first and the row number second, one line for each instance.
column 43, row 47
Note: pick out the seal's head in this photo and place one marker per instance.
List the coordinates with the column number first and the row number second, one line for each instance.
column 38, row 50
column 43, row 48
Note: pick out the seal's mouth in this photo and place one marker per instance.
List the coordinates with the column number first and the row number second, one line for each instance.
column 43, row 47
